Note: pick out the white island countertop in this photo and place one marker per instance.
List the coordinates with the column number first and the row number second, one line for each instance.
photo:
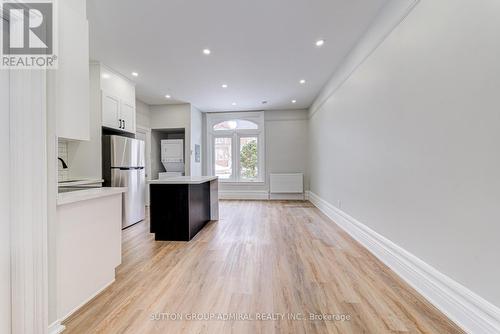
column 184, row 180
column 87, row 194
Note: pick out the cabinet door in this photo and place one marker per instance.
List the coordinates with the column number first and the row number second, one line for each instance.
column 116, row 85
column 127, row 113
column 110, row 107
column 71, row 86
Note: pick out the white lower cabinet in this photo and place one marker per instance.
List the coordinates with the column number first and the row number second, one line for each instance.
column 88, row 250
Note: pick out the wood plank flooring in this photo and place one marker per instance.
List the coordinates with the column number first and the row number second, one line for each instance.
column 260, row 260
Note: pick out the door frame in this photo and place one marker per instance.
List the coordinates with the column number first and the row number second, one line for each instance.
column 147, row 133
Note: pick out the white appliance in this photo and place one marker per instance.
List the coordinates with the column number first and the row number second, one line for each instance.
column 172, row 157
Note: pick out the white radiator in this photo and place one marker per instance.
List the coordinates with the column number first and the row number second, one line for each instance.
column 286, row 186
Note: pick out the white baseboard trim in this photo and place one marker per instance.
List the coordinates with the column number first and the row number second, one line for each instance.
column 306, row 195
column 64, row 318
column 287, row 197
column 468, row 310
column 56, row 328
column 251, row 194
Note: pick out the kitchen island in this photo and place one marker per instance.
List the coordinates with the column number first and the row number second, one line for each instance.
column 181, row 206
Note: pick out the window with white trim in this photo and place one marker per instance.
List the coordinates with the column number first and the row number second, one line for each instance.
column 236, row 146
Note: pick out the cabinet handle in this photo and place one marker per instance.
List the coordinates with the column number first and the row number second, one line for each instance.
column 123, row 124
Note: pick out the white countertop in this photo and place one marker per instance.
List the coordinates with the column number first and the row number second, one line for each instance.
column 184, row 180
column 79, row 182
column 91, row 193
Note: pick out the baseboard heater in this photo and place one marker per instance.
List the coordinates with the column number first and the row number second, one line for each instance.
column 288, row 186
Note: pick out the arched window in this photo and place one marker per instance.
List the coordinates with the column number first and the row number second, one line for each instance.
column 236, row 146
column 235, row 124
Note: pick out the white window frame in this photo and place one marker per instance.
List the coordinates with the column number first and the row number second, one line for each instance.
column 235, row 135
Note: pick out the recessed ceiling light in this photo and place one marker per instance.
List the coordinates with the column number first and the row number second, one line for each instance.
column 105, row 76
column 302, row 81
column 233, row 104
column 294, row 101
column 206, row 51
column 224, row 86
column 135, row 74
column 168, row 96
column 320, row 42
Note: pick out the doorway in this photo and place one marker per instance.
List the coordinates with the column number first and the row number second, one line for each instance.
column 157, row 135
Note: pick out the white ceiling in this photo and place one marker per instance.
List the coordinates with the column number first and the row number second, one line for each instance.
column 260, row 48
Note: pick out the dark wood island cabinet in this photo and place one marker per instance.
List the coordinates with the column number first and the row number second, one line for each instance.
column 181, row 206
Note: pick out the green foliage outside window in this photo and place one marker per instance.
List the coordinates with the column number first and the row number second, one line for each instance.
column 248, row 160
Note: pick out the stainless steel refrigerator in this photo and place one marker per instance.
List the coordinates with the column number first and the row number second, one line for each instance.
column 124, row 166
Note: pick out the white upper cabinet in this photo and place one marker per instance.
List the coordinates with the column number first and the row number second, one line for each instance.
column 117, row 101
column 128, row 116
column 110, row 106
column 71, row 79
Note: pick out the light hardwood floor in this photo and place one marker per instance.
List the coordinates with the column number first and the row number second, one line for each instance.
column 261, row 257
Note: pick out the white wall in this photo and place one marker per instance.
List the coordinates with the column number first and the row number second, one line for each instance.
column 196, row 139
column 174, row 116
column 143, row 114
column 170, row 116
column 78, row 6
column 287, row 142
column 5, row 306
column 409, row 143
column 283, row 129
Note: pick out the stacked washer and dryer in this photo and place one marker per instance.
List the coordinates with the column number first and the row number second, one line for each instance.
column 172, row 158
